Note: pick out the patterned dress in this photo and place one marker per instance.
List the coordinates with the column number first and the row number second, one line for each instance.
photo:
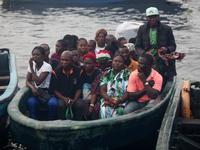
column 116, row 87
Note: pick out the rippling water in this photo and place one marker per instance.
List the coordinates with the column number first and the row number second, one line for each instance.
column 26, row 25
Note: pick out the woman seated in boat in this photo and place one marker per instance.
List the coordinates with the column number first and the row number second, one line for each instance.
column 53, row 62
column 113, row 89
column 91, row 97
column 100, row 39
column 40, row 72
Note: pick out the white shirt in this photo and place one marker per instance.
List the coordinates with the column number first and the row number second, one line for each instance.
column 45, row 68
column 99, row 48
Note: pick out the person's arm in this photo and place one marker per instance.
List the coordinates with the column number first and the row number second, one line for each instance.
column 77, row 96
column 29, row 84
column 136, row 95
column 103, row 93
column 139, row 42
column 151, row 92
column 171, row 41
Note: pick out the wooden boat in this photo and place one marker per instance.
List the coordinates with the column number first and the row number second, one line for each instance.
column 98, row 134
column 177, row 131
column 8, row 84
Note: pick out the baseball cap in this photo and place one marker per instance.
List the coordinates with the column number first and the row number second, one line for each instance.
column 152, row 11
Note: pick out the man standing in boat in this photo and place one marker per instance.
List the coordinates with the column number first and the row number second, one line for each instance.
column 67, row 85
column 144, row 84
column 156, row 39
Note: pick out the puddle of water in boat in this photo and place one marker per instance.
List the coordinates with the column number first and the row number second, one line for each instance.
column 26, row 25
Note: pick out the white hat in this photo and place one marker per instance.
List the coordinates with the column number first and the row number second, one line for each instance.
column 152, row 11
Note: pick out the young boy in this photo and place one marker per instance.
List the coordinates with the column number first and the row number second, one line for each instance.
column 129, row 63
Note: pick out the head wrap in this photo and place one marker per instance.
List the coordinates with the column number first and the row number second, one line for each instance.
column 100, row 31
column 103, row 55
column 130, row 46
column 90, row 55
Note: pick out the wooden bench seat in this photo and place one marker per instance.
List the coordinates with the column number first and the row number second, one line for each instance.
column 4, row 78
column 3, row 88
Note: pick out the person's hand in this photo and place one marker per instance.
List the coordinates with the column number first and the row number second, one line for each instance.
column 117, row 103
column 141, row 75
column 163, row 50
column 31, row 62
column 35, row 92
column 68, row 102
column 149, row 52
column 151, row 83
column 111, row 101
column 90, row 111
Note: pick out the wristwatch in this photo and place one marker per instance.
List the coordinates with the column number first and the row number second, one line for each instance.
column 146, row 83
column 92, row 105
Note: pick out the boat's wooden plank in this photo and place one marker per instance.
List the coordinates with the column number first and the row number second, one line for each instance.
column 189, row 122
column 3, row 88
column 4, row 77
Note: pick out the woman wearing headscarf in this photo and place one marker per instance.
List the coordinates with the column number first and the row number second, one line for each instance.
column 90, row 86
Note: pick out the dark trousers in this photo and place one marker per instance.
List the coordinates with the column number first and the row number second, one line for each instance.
column 77, row 109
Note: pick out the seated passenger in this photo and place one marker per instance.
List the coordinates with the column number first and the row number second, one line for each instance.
column 82, row 48
column 132, row 52
column 66, row 83
column 103, row 58
column 92, row 46
column 113, row 89
column 70, row 41
column 61, row 45
column 76, row 57
column 122, row 41
column 110, row 38
column 91, row 78
column 129, row 63
column 100, row 38
column 144, row 84
column 40, row 72
column 53, row 62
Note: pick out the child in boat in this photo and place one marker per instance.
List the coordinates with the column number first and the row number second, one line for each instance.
column 61, row 45
column 129, row 63
column 40, row 72
column 76, row 57
column 82, row 48
column 92, row 46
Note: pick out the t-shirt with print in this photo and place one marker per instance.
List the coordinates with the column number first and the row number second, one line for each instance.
column 45, row 68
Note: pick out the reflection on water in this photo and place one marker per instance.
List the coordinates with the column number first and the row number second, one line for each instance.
column 26, row 25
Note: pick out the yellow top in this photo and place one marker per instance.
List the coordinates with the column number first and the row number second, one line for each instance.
column 133, row 65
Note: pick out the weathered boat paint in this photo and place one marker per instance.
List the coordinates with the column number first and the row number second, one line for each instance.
column 10, row 91
column 97, row 134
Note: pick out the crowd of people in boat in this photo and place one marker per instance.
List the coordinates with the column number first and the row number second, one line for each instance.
column 101, row 78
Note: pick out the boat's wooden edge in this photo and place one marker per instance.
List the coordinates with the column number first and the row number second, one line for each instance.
column 13, row 84
column 167, row 123
column 57, row 125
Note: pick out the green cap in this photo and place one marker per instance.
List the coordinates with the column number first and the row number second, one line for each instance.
column 152, row 11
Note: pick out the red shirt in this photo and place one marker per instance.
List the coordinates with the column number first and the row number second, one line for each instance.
column 55, row 56
column 135, row 84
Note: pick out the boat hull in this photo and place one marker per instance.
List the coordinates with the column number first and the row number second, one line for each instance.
column 11, row 89
column 98, row 134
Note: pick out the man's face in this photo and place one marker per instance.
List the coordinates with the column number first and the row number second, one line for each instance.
column 124, row 52
column 142, row 64
column 66, row 61
column 153, row 20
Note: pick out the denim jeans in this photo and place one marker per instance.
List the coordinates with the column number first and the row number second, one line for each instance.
column 133, row 106
column 51, row 104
